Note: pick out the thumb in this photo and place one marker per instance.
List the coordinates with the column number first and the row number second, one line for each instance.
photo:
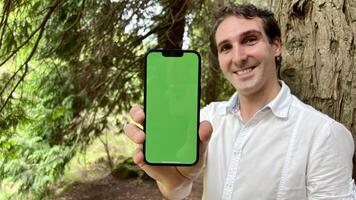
column 205, row 131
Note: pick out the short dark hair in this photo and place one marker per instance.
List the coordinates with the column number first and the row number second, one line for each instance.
column 247, row 11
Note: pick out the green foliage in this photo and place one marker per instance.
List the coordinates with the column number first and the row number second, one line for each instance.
column 67, row 69
column 27, row 157
column 35, row 165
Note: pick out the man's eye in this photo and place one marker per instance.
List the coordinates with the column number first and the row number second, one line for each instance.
column 225, row 48
column 251, row 40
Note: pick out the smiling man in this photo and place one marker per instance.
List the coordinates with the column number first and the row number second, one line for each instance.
column 247, row 59
column 264, row 143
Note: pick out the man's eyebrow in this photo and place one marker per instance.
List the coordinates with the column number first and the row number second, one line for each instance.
column 243, row 34
column 251, row 32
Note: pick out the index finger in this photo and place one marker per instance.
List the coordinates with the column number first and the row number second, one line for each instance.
column 137, row 114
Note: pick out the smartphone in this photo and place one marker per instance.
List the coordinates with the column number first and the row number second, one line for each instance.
column 171, row 105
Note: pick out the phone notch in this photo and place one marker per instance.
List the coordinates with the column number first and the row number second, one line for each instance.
column 172, row 53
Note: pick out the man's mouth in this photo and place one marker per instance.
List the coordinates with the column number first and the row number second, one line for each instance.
column 244, row 71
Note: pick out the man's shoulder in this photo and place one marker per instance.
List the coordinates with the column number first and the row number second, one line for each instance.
column 216, row 106
column 320, row 124
column 309, row 111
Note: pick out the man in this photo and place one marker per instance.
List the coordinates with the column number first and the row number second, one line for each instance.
column 263, row 143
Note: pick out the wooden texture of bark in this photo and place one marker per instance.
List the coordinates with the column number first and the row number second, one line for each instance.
column 319, row 54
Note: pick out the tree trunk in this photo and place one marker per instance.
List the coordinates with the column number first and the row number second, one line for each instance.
column 170, row 35
column 319, row 54
column 213, row 80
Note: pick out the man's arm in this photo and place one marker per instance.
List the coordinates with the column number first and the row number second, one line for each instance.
column 329, row 172
column 176, row 193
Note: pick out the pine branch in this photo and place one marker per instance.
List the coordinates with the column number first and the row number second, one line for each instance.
column 41, row 29
column 3, row 22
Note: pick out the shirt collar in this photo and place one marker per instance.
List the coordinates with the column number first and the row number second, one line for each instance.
column 232, row 104
column 279, row 105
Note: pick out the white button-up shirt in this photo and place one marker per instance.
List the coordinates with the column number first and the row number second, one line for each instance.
column 288, row 150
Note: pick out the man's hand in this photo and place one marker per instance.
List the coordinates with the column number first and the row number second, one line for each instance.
column 174, row 182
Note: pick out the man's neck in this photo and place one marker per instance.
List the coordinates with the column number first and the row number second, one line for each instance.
column 250, row 104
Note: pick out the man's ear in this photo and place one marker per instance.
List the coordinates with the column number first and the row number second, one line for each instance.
column 277, row 45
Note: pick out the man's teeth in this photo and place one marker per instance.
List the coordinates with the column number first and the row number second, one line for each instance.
column 244, row 71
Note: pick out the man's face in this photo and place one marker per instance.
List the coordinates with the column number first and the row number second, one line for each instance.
column 246, row 57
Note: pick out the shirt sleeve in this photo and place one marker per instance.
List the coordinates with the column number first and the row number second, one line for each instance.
column 329, row 172
column 205, row 113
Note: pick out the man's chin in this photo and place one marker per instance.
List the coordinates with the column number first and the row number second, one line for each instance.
column 246, row 90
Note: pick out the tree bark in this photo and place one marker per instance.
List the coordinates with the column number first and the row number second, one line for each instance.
column 319, row 54
column 170, row 35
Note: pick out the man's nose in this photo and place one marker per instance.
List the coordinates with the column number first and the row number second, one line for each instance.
column 239, row 55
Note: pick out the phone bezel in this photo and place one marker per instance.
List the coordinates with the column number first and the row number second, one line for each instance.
column 179, row 53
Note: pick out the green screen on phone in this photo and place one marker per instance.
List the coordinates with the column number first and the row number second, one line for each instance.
column 172, row 85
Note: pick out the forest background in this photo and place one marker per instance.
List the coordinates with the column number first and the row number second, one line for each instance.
column 70, row 71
